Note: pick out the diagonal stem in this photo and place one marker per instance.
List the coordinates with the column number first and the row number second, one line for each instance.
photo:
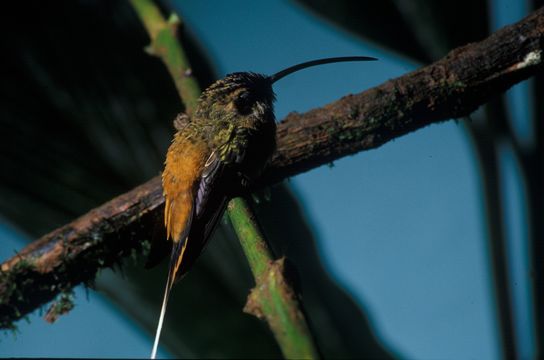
column 166, row 46
column 272, row 299
column 452, row 87
column 487, row 156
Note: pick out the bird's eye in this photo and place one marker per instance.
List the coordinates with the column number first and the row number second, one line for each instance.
column 243, row 103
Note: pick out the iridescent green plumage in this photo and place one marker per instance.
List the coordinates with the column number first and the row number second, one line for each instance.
column 224, row 146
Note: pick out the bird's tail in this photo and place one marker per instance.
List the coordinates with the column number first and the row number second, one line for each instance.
column 169, row 283
column 175, row 262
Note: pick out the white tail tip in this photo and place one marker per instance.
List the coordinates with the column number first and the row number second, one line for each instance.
column 161, row 320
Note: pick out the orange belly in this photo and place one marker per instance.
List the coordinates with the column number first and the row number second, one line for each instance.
column 184, row 164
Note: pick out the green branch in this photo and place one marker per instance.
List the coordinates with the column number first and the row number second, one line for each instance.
column 272, row 298
column 165, row 45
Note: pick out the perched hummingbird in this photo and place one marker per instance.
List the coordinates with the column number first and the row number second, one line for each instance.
column 221, row 148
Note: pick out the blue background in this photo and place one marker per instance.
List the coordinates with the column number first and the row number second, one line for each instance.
column 400, row 227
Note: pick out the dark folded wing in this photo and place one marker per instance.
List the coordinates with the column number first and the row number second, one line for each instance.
column 209, row 204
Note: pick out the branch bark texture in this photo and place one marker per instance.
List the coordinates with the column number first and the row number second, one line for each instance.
column 449, row 88
column 452, row 87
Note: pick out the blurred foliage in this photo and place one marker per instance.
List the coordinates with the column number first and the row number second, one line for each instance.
column 426, row 30
column 86, row 115
column 423, row 30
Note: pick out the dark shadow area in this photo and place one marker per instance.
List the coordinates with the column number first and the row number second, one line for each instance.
column 423, row 30
column 85, row 113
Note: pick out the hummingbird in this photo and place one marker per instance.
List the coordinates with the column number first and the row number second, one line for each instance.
column 216, row 153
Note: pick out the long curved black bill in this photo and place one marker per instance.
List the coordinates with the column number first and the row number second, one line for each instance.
column 307, row 64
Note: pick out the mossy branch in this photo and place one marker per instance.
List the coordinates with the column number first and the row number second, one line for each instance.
column 272, row 296
column 452, row 87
